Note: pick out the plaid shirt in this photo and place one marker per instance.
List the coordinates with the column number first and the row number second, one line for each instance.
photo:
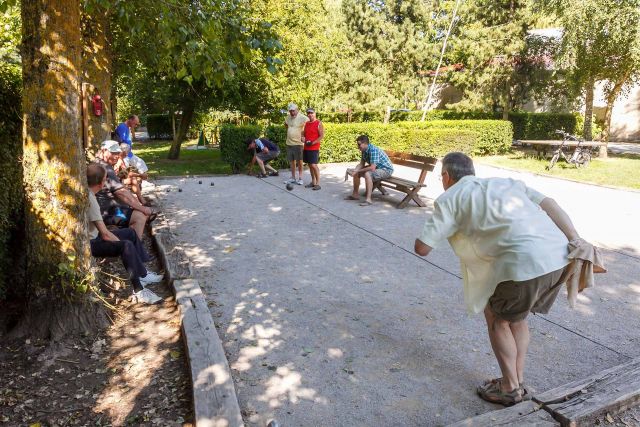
column 375, row 156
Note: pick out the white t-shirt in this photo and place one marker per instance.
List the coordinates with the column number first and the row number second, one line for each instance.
column 137, row 162
column 499, row 232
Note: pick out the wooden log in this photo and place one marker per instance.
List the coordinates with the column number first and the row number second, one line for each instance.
column 525, row 414
column 176, row 262
column 610, row 391
column 214, row 396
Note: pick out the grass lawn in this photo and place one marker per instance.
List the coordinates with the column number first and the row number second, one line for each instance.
column 617, row 170
column 190, row 162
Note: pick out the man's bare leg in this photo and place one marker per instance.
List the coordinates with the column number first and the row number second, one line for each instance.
column 504, row 348
column 369, row 185
column 261, row 164
column 299, row 169
column 520, row 331
column 292, row 164
column 356, row 186
column 315, row 174
column 137, row 222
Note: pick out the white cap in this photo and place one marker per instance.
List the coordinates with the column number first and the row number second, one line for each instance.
column 292, row 106
column 112, row 146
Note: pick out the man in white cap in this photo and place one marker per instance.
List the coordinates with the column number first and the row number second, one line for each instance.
column 295, row 142
column 117, row 204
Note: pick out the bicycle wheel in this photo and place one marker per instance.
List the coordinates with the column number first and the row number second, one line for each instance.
column 553, row 161
column 586, row 158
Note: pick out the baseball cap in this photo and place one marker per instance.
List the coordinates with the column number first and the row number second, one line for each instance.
column 292, row 106
column 124, row 147
column 112, row 146
column 310, row 110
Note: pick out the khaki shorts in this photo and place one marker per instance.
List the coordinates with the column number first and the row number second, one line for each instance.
column 294, row 152
column 512, row 301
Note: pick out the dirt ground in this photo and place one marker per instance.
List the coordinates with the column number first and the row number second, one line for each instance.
column 134, row 373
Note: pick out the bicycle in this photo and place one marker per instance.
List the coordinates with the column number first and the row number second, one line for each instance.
column 581, row 155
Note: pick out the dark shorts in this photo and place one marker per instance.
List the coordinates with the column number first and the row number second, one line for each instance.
column 266, row 157
column 294, row 152
column 512, row 301
column 121, row 220
column 311, row 156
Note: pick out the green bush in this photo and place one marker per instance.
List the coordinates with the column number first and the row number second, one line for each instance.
column 159, row 126
column 232, row 144
column 401, row 116
column 11, row 176
column 541, row 125
column 494, row 136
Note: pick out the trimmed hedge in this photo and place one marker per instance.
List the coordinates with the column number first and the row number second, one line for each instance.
column 409, row 116
column 232, row 144
column 494, row 136
column 541, row 125
column 11, row 215
column 159, row 126
column 435, row 138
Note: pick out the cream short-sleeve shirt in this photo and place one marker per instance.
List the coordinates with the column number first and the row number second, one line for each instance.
column 295, row 126
column 498, row 230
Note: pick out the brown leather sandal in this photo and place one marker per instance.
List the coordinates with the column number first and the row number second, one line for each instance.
column 491, row 392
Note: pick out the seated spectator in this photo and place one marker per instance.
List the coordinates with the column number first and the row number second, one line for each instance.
column 117, row 204
column 124, row 131
column 263, row 152
column 374, row 166
column 120, row 242
column 132, row 171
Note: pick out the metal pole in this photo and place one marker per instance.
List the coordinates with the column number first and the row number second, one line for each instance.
column 435, row 76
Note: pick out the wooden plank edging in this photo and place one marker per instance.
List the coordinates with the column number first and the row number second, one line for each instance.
column 214, row 398
column 525, row 414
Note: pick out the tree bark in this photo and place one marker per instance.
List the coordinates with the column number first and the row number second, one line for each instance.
column 188, row 107
column 97, row 60
column 54, row 165
column 611, row 98
column 588, row 110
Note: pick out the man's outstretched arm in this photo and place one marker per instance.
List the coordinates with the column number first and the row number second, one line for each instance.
column 421, row 248
column 559, row 217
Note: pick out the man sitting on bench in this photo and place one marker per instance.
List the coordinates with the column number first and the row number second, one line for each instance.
column 374, row 166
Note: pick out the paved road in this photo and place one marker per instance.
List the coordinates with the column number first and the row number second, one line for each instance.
column 329, row 319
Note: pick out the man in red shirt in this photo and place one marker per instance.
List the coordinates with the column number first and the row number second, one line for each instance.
column 312, row 134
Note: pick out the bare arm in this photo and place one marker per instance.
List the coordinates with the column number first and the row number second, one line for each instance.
column 320, row 133
column 105, row 233
column 559, row 217
column 421, row 248
column 127, row 198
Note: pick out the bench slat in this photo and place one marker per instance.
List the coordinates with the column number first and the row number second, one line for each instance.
column 409, row 156
column 412, row 163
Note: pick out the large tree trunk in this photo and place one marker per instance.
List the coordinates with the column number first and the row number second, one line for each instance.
column 97, row 60
column 188, row 107
column 506, row 101
column 55, row 187
column 611, row 99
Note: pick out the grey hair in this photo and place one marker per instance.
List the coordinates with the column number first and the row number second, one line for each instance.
column 458, row 165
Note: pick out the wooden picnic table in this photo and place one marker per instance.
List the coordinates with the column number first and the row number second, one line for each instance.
column 542, row 145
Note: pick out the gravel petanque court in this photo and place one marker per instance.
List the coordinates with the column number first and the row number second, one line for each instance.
column 329, row 319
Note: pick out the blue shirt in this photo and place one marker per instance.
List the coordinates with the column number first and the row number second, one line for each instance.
column 125, row 136
column 264, row 142
column 375, row 156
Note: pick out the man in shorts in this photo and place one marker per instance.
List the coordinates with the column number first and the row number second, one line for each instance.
column 513, row 244
column 374, row 166
column 295, row 142
column 263, row 152
column 313, row 134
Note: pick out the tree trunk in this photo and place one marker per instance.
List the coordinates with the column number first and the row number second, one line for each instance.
column 588, row 110
column 611, row 99
column 97, row 59
column 54, row 165
column 188, row 107
column 506, row 103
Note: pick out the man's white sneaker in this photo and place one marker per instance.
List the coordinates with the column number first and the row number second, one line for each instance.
column 290, row 181
column 299, row 182
column 146, row 296
column 150, row 278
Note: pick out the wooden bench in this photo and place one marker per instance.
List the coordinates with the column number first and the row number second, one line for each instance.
column 411, row 188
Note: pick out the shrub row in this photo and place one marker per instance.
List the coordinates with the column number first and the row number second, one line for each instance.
column 541, row 125
column 400, row 116
column 11, row 176
column 434, row 138
column 159, row 126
